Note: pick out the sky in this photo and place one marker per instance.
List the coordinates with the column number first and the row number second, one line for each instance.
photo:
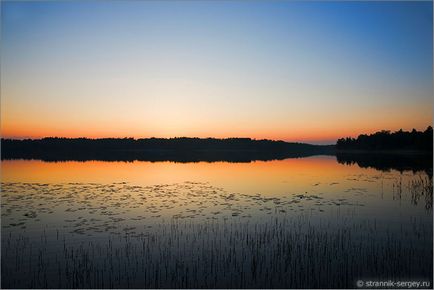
column 295, row 71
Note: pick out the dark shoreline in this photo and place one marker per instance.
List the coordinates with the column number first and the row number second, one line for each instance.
column 162, row 155
column 185, row 150
column 401, row 160
column 384, row 152
column 158, row 149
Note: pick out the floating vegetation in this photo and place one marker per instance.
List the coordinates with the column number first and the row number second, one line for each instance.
column 86, row 207
column 196, row 235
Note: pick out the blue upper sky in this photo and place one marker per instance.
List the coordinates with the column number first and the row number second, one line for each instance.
column 283, row 70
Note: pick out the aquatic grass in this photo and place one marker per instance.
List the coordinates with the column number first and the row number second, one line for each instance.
column 194, row 235
column 421, row 187
column 276, row 253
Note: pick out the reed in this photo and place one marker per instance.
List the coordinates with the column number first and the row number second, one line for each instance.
column 421, row 187
column 289, row 252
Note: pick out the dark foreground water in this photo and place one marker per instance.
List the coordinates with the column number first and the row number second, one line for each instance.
column 295, row 223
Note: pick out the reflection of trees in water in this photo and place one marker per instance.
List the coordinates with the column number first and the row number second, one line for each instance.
column 419, row 188
column 388, row 161
column 158, row 149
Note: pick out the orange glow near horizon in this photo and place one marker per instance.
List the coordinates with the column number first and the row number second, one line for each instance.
column 291, row 71
column 323, row 134
column 259, row 176
column 314, row 126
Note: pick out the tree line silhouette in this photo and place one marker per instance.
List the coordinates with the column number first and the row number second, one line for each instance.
column 181, row 149
column 385, row 140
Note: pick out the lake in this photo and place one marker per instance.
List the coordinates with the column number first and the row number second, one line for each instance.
column 295, row 223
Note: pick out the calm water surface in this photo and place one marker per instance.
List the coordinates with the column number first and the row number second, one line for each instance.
column 307, row 222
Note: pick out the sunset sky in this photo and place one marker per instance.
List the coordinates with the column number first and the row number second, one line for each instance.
column 311, row 72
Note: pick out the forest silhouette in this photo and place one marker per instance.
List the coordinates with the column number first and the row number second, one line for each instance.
column 382, row 150
column 158, row 149
column 385, row 140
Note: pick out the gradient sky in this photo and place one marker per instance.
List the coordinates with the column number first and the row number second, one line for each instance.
column 297, row 71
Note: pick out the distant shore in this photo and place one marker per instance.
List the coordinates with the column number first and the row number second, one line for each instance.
column 207, row 150
column 158, row 149
column 384, row 152
column 186, row 149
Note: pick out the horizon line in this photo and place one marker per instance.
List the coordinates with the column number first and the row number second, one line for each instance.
column 165, row 138
column 312, row 142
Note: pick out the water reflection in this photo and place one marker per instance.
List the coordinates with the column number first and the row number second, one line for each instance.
column 308, row 222
column 383, row 161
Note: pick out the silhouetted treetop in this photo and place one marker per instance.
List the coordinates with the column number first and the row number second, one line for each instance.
column 385, row 140
column 157, row 149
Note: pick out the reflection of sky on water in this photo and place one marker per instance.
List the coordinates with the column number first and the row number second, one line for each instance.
column 93, row 202
column 82, row 195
